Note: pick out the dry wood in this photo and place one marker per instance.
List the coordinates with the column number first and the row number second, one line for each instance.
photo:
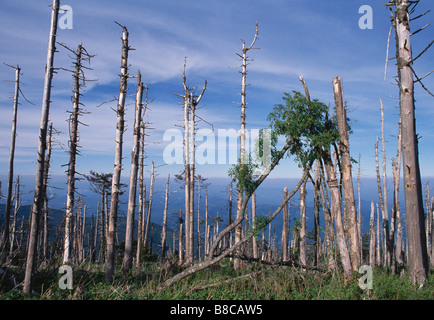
column 40, row 163
column 116, row 179
column 347, row 181
column 128, row 254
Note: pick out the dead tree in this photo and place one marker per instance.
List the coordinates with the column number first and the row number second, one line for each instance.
column 303, row 243
column 372, row 236
column 128, row 254
column 142, row 187
column 8, row 207
column 255, row 239
column 417, row 251
column 164, row 230
column 40, row 163
column 116, row 179
column 149, row 212
column 347, row 181
column 244, row 59
column 190, row 102
column 285, row 229
column 79, row 82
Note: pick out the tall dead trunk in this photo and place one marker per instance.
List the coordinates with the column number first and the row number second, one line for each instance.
column 8, row 207
column 255, row 239
column 317, row 237
column 417, row 251
column 387, row 245
column 45, row 205
column 17, row 199
column 142, row 196
column 116, row 179
column 336, row 211
column 180, row 247
column 244, row 59
column 129, row 233
column 148, row 217
column 303, row 244
column 372, row 236
column 347, row 181
column 163, row 232
column 378, row 247
column 40, row 163
column 328, row 218
column 285, row 228
column 73, row 150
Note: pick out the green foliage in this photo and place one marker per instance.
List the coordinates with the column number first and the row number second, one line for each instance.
column 259, row 224
column 279, row 283
column 244, row 174
column 306, row 123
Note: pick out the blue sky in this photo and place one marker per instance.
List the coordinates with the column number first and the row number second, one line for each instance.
column 316, row 39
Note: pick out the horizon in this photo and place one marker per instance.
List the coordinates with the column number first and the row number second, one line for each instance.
column 294, row 39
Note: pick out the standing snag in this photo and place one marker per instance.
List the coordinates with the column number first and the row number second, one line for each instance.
column 40, row 163
column 116, row 179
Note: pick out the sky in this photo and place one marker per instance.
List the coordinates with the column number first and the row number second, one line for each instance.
column 318, row 40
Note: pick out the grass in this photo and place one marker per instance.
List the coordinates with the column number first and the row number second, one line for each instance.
column 280, row 283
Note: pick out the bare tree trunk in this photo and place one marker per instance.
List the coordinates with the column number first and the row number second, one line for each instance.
column 238, row 229
column 387, row 245
column 347, row 181
column 17, row 199
column 378, row 248
column 303, row 245
column 141, row 215
column 116, row 179
column 40, row 163
column 163, row 232
column 328, row 218
column 180, row 249
column 255, row 239
column 8, row 207
column 372, row 236
column 192, row 179
column 45, row 205
column 417, row 252
column 317, row 237
column 129, row 233
column 359, row 213
column 73, row 149
column 207, row 244
column 337, row 215
column 148, row 217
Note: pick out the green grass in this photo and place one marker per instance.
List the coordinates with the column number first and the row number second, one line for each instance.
column 280, row 283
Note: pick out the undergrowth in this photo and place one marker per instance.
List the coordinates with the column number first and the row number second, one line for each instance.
column 278, row 283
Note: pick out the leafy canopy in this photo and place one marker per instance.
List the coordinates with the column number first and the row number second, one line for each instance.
column 306, row 123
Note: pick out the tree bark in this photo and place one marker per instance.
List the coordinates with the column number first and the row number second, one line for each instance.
column 417, row 251
column 40, row 163
column 8, row 207
column 347, row 181
column 337, row 214
column 116, row 180
column 148, row 217
column 129, row 233
column 244, row 58
column 372, row 236
column 163, row 232
column 73, row 146
column 303, row 245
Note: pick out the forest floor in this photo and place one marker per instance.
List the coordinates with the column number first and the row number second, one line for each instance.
column 221, row 282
